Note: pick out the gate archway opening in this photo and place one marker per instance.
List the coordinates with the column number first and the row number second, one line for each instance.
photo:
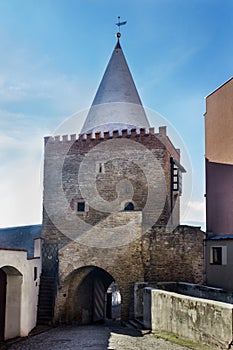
column 93, row 296
column 10, row 302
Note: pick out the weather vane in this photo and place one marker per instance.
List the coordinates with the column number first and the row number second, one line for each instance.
column 119, row 24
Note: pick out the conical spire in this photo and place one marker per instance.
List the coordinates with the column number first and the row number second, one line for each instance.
column 117, row 104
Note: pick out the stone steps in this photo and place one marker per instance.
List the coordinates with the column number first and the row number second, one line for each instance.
column 46, row 301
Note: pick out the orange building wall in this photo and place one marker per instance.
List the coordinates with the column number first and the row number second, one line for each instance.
column 219, row 124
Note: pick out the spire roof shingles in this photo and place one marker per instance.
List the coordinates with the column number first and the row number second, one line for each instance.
column 117, row 104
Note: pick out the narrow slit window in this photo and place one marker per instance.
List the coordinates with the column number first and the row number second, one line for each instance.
column 100, row 168
column 35, row 273
column 217, row 255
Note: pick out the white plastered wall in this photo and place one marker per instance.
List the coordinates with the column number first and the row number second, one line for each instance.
column 21, row 292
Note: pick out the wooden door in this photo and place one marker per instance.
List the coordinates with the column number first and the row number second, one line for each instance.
column 98, row 301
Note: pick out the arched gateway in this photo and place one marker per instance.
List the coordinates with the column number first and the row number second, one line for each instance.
column 87, row 292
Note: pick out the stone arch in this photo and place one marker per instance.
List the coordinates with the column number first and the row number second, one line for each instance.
column 85, row 292
column 11, row 315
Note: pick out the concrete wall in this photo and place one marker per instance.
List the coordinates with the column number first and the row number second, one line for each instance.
column 199, row 320
column 189, row 289
column 22, row 292
column 199, row 291
column 220, row 275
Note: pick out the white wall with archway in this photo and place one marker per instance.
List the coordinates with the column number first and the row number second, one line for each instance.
column 23, row 276
column 13, row 301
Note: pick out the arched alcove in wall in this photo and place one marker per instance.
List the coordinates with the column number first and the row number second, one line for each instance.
column 11, row 282
column 129, row 206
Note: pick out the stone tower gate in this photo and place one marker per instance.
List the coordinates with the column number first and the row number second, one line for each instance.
column 111, row 207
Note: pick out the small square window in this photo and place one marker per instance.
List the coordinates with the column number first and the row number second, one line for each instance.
column 217, row 255
column 81, row 206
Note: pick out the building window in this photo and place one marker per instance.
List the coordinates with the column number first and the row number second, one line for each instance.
column 100, row 168
column 81, row 206
column 218, row 255
column 176, row 176
column 177, row 180
column 129, row 206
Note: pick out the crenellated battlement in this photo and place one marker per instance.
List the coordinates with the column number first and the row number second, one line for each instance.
column 137, row 134
column 129, row 133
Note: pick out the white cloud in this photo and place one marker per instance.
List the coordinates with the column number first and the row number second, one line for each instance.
column 194, row 213
column 20, row 176
column 6, row 141
column 36, row 83
column 11, row 90
column 20, row 193
column 21, row 136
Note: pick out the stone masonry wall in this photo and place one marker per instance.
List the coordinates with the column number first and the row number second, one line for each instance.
column 134, row 165
column 170, row 256
column 129, row 245
column 174, row 256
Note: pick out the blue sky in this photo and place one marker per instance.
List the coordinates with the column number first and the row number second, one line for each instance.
column 53, row 55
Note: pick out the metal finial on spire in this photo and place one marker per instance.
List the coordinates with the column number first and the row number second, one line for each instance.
column 119, row 24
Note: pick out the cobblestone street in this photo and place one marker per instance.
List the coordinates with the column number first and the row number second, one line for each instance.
column 94, row 337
